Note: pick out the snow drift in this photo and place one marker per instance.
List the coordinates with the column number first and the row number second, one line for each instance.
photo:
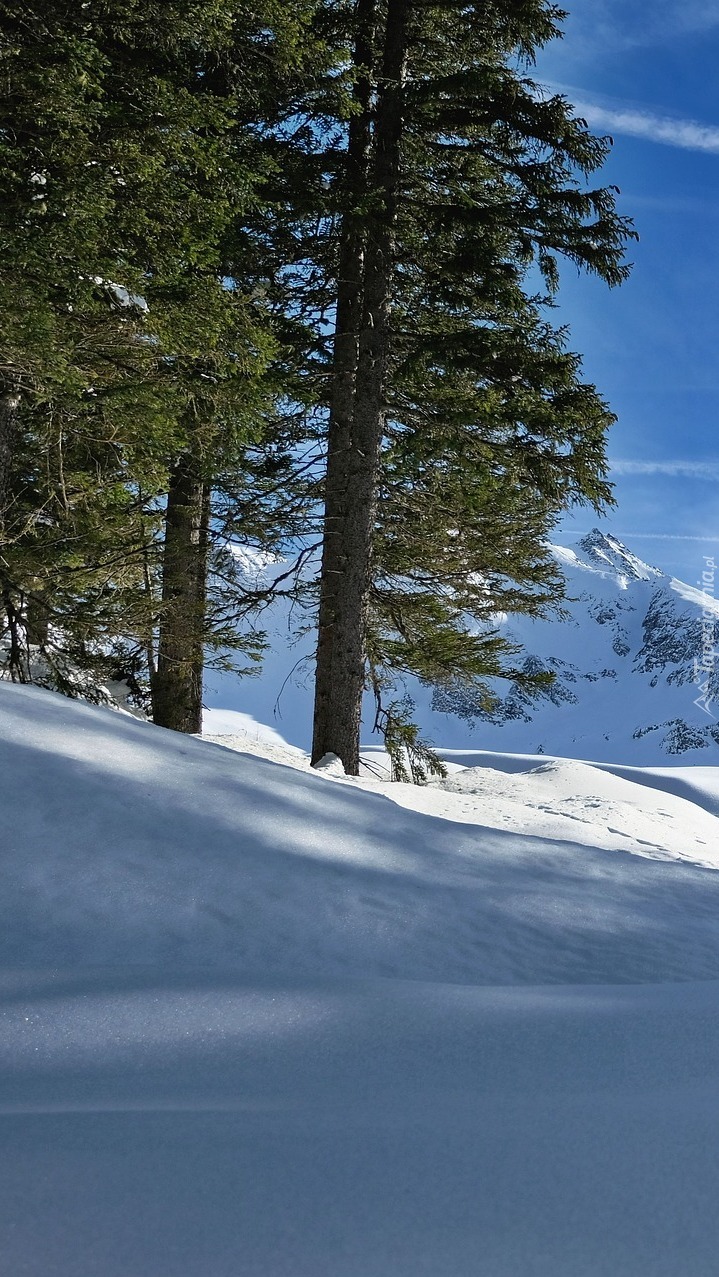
column 126, row 843
column 257, row 1022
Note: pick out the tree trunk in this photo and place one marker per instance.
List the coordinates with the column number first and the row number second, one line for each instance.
column 177, row 681
column 37, row 617
column 17, row 662
column 9, row 404
column 338, row 496
column 354, row 450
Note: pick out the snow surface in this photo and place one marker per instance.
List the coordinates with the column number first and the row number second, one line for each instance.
column 260, row 1022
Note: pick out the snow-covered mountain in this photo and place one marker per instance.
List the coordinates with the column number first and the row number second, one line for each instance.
column 636, row 679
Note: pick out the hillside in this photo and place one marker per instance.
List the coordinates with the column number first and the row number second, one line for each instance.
column 262, row 1022
column 125, row 843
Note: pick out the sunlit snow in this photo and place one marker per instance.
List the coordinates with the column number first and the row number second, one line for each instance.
column 264, row 1022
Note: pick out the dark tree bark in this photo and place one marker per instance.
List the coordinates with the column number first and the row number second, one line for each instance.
column 348, row 319
column 37, row 618
column 177, row 681
column 17, row 662
column 355, row 437
column 9, row 404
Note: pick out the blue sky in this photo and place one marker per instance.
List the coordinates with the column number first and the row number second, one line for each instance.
column 646, row 74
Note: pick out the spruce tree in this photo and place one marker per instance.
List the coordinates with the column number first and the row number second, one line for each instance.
column 255, row 76
column 71, row 328
column 470, row 178
column 131, row 157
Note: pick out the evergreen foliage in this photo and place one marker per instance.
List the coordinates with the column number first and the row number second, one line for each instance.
column 234, row 239
column 463, row 193
column 130, row 155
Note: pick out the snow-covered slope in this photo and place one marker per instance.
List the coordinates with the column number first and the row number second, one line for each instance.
column 259, row 1022
column 122, row 842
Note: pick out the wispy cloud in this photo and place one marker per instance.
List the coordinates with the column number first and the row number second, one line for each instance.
column 672, row 469
column 636, row 120
column 669, row 203
column 694, row 17
column 690, row 135
column 665, row 536
column 640, row 536
column 600, row 27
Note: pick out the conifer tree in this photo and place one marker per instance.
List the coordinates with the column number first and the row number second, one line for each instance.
column 255, row 76
column 71, row 326
column 466, row 177
column 131, row 155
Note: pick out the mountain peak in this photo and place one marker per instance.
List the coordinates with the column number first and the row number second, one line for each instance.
column 608, row 553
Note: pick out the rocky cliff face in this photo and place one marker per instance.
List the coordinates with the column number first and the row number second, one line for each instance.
column 636, row 678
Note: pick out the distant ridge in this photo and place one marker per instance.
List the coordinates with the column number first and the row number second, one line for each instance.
column 635, row 676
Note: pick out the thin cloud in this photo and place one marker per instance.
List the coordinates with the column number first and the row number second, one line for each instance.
column 671, row 469
column 641, row 536
column 597, row 27
column 665, row 536
column 689, row 135
column 669, row 203
column 695, row 18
